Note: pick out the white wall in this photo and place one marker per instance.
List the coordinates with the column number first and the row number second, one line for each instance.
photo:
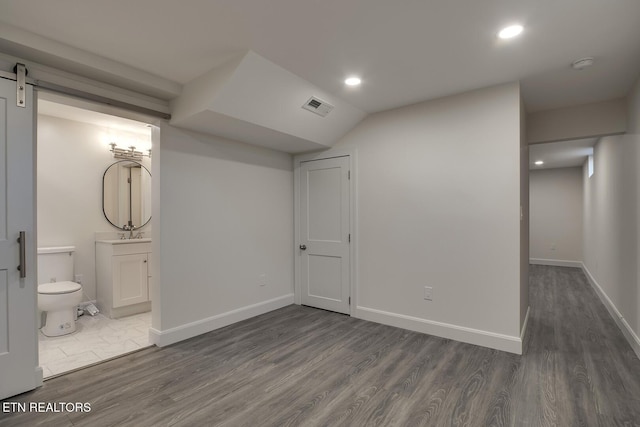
column 72, row 158
column 579, row 121
column 634, row 136
column 439, row 205
column 225, row 218
column 556, row 214
column 612, row 222
column 524, row 220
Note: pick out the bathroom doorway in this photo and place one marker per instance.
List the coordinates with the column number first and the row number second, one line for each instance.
column 94, row 206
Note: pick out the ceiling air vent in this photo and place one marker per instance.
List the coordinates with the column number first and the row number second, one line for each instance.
column 318, row 106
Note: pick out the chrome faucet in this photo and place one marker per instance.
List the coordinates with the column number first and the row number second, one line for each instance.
column 129, row 228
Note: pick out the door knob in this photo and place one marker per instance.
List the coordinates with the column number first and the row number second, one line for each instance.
column 303, row 247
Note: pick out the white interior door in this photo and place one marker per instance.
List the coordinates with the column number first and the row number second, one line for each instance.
column 324, row 236
column 18, row 332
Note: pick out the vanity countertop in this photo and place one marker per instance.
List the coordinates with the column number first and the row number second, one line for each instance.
column 125, row 241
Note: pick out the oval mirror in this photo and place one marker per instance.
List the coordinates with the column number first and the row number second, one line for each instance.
column 126, row 195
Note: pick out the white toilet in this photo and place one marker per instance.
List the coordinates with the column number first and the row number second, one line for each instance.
column 58, row 295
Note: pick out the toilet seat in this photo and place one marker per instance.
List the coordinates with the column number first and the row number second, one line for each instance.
column 57, row 288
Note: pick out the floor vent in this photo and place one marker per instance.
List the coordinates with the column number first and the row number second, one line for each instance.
column 318, row 106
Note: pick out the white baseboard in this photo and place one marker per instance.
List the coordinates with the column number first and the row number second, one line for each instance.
column 628, row 333
column 556, row 262
column 190, row 330
column 511, row 344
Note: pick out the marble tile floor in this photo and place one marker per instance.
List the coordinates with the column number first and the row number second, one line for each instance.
column 96, row 339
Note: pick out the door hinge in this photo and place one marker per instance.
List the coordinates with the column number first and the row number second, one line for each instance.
column 349, row 300
column 349, row 175
column 349, row 237
column 21, row 85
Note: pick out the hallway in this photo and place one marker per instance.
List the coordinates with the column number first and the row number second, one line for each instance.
column 579, row 368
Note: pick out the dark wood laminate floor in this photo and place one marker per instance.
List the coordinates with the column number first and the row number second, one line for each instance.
column 304, row 367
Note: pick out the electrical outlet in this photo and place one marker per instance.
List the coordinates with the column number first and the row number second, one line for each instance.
column 428, row 293
column 263, row 279
column 78, row 279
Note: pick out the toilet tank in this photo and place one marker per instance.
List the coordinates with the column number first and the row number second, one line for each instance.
column 55, row 264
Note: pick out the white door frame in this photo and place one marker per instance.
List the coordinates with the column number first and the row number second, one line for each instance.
column 353, row 224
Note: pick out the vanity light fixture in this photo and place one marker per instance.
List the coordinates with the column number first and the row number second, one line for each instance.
column 130, row 154
column 539, row 163
column 510, row 31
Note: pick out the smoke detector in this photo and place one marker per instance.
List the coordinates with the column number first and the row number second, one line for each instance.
column 581, row 64
column 318, row 106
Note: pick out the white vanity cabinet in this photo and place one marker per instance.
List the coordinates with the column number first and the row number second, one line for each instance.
column 122, row 276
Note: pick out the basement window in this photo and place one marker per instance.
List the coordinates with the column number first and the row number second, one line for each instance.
column 590, row 165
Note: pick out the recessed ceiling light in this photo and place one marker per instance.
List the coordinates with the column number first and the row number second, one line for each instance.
column 353, row 81
column 510, row 31
column 539, row 162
